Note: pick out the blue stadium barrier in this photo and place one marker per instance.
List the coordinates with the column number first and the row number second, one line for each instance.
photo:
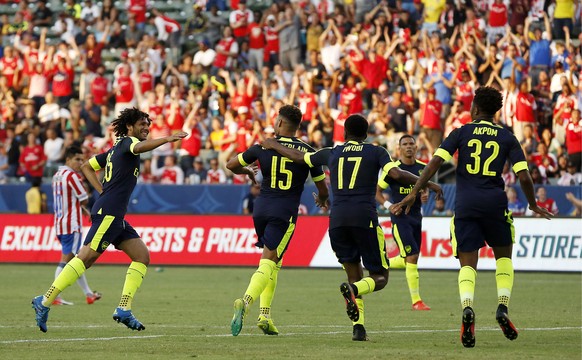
column 227, row 199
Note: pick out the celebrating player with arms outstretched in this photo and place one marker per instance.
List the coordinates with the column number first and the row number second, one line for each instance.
column 354, row 231
column 481, row 213
column 121, row 169
column 275, row 212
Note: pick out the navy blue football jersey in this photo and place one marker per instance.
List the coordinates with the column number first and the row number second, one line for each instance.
column 483, row 150
column 354, row 168
column 399, row 190
column 121, row 168
column 283, row 180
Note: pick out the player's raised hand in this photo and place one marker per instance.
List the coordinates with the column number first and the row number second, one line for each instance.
column 269, row 143
column 177, row 136
column 541, row 211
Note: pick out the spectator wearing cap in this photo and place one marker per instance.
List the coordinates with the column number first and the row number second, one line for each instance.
column 272, row 41
column 137, row 10
column 431, row 118
column 42, row 16
column 540, row 55
column 289, row 35
column 197, row 23
column 570, row 177
column 574, row 140
column 226, row 51
column 239, row 21
column 197, row 174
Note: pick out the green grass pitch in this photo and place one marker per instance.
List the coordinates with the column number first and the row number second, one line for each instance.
column 187, row 312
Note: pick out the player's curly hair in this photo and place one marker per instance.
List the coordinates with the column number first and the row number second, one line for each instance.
column 127, row 117
column 488, row 100
column 291, row 113
column 357, row 126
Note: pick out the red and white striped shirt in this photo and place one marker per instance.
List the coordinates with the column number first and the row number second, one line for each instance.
column 68, row 193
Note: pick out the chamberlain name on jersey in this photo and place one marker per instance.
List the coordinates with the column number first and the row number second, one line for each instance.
column 121, row 169
column 68, row 193
column 283, row 180
column 399, row 190
column 483, row 150
column 354, row 169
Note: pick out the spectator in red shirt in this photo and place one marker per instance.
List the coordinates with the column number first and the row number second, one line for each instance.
column 170, row 173
column 124, row 91
column 431, row 120
column 100, row 87
column 137, row 9
column 375, row 70
column 574, row 140
column 226, row 51
column 544, row 161
column 215, row 175
column 257, row 44
column 32, row 158
column 10, row 66
column 565, row 104
column 497, row 20
column 525, row 110
column 239, row 21
column 272, row 38
column 543, row 201
column 63, row 75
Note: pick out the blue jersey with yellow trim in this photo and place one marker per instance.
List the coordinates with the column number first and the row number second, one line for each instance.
column 121, row 169
column 483, row 150
column 283, row 180
column 354, row 168
column 399, row 190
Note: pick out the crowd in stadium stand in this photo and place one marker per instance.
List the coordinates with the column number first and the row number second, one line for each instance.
column 222, row 72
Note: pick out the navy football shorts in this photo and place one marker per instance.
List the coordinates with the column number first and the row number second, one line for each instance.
column 351, row 244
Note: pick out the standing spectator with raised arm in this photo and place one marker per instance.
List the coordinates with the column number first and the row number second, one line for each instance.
column 540, row 54
column 289, row 42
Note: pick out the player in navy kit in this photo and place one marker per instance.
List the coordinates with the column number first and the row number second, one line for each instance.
column 481, row 214
column 275, row 212
column 354, row 231
column 121, row 169
column 407, row 229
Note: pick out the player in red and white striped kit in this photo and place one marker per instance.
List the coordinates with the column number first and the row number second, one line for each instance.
column 69, row 197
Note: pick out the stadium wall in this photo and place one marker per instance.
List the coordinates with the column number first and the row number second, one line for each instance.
column 227, row 199
column 541, row 245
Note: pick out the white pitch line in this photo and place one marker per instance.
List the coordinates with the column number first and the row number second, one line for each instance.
column 79, row 339
column 283, row 334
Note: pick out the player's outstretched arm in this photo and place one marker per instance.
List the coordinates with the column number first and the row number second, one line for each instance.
column 428, row 172
column 292, row 154
column 148, row 145
column 91, row 176
column 528, row 189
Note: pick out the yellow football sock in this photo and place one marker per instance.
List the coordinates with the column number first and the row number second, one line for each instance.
column 413, row 282
column 504, row 280
column 133, row 280
column 71, row 273
column 467, row 278
column 259, row 280
column 360, row 303
column 397, row 262
column 266, row 297
column 365, row 286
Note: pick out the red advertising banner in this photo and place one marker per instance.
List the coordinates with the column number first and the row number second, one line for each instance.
column 171, row 239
